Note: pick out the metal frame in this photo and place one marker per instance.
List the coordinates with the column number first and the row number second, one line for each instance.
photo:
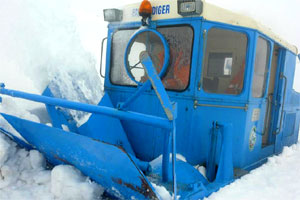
column 102, row 46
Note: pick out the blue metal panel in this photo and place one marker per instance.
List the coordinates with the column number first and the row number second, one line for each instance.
column 98, row 160
column 16, row 139
column 287, row 136
column 189, row 179
column 58, row 117
column 106, row 129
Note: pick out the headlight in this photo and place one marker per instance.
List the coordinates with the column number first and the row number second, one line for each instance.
column 190, row 7
column 112, row 15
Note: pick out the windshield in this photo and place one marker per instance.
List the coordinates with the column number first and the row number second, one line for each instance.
column 180, row 41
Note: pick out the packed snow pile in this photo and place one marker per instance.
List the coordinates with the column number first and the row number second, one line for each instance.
column 278, row 179
column 23, row 175
column 40, row 46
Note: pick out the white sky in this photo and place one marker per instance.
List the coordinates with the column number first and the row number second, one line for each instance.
column 283, row 17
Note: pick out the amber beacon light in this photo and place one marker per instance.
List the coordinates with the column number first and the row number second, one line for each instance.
column 145, row 11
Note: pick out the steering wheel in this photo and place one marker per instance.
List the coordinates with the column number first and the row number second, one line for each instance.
column 152, row 42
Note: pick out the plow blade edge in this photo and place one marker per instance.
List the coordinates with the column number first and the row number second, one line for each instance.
column 108, row 165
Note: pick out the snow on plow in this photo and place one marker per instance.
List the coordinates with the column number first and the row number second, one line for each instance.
column 185, row 83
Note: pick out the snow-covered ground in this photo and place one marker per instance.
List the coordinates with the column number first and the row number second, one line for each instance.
column 278, row 179
column 59, row 40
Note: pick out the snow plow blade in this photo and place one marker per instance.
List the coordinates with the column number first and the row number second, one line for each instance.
column 98, row 160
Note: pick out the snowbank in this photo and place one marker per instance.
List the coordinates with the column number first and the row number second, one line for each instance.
column 23, row 175
column 40, row 46
column 278, row 179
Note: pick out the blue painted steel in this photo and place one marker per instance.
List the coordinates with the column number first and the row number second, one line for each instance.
column 107, row 164
column 18, row 140
column 132, row 116
column 189, row 180
column 170, row 111
column 224, row 174
column 158, row 86
column 59, row 118
column 174, row 156
column 225, row 165
column 211, row 161
column 143, row 88
column 166, row 158
column 106, row 129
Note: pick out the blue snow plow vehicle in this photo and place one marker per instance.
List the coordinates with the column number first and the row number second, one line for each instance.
column 183, row 79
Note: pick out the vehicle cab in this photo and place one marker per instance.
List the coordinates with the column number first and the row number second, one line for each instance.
column 223, row 68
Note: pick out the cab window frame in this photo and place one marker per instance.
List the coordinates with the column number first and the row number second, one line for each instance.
column 246, row 58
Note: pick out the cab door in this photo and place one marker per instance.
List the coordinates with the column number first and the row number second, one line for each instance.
column 221, row 84
column 262, row 89
column 273, row 97
column 268, row 86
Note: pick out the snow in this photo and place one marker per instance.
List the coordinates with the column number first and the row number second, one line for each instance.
column 162, row 191
column 68, row 183
column 59, row 40
column 278, row 179
column 24, row 176
column 201, row 169
column 39, row 44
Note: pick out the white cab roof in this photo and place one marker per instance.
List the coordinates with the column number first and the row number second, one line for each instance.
column 167, row 9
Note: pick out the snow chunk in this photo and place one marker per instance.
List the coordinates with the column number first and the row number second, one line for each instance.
column 162, row 192
column 201, row 169
column 68, row 183
column 4, row 150
column 23, row 176
column 37, row 160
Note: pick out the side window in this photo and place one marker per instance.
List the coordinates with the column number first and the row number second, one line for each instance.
column 262, row 57
column 224, row 62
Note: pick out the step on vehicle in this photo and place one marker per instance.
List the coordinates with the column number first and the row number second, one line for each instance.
column 188, row 86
